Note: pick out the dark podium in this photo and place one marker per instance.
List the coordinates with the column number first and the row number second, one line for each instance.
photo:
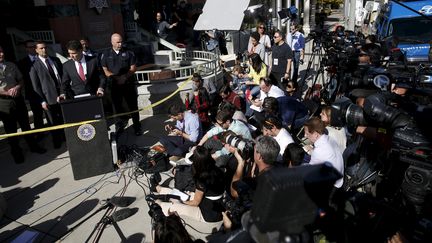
column 88, row 144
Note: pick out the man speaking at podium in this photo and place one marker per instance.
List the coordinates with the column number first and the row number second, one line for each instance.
column 81, row 74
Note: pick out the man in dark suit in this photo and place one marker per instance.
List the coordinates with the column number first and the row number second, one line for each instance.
column 45, row 75
column 24, row 65
column 81, row 74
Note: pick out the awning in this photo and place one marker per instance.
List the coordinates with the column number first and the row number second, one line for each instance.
column 222, row 15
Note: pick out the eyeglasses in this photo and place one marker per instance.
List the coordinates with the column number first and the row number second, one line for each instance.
column 276, row 37
column 219, row 123
column 261, row 27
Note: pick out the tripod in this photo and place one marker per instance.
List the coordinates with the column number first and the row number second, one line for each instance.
column 104, row 221
column 317, row 50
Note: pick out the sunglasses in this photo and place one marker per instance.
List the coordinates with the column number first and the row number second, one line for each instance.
column 261, row 27
column 276, row 37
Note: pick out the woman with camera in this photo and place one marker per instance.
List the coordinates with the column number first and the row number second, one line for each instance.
column 205, row 204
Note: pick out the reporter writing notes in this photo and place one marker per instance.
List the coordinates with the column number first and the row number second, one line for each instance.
column 205, row 204
column 81, row 73
column 325, row 150
column 184, row 134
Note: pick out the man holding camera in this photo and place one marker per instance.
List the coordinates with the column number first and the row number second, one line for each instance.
column 266, row 151
column 224, row 122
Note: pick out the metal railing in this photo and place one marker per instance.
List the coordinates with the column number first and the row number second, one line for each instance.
column 44, row 35
column 209, row 66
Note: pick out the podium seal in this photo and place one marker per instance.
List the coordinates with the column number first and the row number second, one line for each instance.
column 86, row 132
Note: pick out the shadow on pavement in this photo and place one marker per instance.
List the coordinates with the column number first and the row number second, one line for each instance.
column 50, row 230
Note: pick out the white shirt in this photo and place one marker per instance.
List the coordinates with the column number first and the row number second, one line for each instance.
column 52, row 66
column 274, row 92
column 338, row 135
column 283, row 139
column 84, row 65
column 327, row 151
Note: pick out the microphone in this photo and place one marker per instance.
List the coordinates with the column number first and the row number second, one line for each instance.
column 121, row 201
column 123, row 213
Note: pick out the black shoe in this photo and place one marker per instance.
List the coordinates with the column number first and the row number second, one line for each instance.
column 37, row 149
column 154, row 181
column 57, row 144
column 18, row 158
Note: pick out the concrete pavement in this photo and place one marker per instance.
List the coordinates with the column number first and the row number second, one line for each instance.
column 44, row 200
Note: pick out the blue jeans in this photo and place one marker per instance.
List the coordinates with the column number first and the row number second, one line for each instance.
column 296, row 64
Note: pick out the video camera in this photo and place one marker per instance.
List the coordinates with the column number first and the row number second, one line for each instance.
column 155, row 210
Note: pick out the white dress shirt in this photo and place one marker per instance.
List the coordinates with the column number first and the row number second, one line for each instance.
column 327, row 151
column 283, row 139
column 274, row 92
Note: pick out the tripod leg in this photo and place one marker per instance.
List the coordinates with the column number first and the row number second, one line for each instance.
column 120, row 233
column 98, row 223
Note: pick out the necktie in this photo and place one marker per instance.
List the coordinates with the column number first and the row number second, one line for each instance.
column 81, row 71
column 51, row 71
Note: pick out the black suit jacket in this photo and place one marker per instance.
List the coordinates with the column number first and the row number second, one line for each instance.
column 73, row 85
column 45, row 87
column 25, row 65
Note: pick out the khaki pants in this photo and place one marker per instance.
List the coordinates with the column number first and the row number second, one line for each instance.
column 193, row 212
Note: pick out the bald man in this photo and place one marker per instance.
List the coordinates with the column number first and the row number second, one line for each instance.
column 119, row 66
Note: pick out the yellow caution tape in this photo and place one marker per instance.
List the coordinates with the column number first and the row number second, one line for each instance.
column 67, row 125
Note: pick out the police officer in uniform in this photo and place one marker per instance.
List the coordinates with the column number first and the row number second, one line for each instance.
column 119, row 66
column 13, row 108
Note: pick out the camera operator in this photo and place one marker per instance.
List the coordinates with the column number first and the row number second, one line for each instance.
column 370, row 54
column 243, row 187
column 224, row 122
column 266, row 151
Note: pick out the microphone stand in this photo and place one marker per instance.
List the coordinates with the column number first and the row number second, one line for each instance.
column 107, row 206
column 105, row 221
